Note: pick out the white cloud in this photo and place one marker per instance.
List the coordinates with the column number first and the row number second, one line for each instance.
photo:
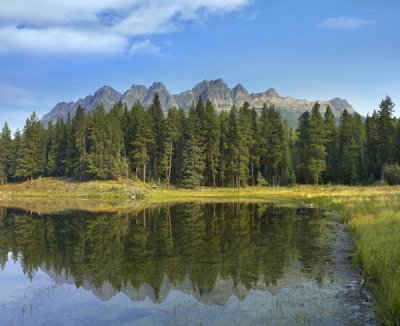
column 144, row 47
column 101, row 26
column 346, row 23
column 59, row 40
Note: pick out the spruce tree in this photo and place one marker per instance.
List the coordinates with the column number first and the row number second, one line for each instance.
column 223, row 160
column 5, row 154
column 386, row 133
column 32, row 153
column 233, row 150
column 15, row 149
column 271, row 144
column 193, row 155
column 317, row 151
column 172, row 136
column 303, row 154
column 77, row 146
column 372, row 145
column 211, row 136
column 348, row 151
column 331, row 143
column 105, row 157
column 157, row 123
column 254, row 147
column 141, row 140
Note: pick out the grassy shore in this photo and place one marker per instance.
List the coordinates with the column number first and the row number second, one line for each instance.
column 57, row 188
column 371, row 214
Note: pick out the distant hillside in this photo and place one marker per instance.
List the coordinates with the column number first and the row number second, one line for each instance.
column 217, row 91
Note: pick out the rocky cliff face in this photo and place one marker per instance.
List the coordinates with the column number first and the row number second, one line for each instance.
column 135, row 93
column 216, row 91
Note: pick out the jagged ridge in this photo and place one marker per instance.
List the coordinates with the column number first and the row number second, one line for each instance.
column 217, row 91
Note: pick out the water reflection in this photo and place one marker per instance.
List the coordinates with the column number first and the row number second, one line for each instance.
column 189, row 247
column 211, row 252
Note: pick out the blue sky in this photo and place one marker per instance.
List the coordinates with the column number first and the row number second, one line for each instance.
column 52, row 51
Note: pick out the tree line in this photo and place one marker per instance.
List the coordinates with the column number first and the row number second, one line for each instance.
column 201, row 147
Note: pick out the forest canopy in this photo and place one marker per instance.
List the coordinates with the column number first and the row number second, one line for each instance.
column 201, row 147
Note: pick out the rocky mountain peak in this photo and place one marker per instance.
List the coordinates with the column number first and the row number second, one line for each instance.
column 271, row 92
column 216, row 91
column 135, row 93
column 166, row 99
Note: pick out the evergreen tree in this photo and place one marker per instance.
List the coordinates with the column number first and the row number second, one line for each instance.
column 32, row 153
column 372, row 144
column 331, row 143
column 271, row 144
column 5, row 154
column 386, row 133
column 223, row 161
column 233, row 150
column 157, row 123
column 15, row 149
column 288, row 173
column 140, row 141
column 172, row 136
column 316, row 138
column 254, row 147
column 348, row 151
column 77, row 146
column 245, row 143
column 303, row 153
column 105, row 157
column 193, row 155
column 51, row 150
column 211, row 136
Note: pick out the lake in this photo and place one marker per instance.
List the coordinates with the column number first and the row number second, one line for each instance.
column 179, row 264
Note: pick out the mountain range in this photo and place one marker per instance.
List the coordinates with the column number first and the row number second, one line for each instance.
column 216, row 91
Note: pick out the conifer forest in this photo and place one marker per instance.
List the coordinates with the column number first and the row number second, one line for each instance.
column 201, row 147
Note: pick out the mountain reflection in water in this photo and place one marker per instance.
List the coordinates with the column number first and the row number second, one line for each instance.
column 212, row 252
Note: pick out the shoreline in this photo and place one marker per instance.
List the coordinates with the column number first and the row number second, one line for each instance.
column 370, row 214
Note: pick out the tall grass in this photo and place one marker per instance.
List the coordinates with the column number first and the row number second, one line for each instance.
column 374, row 222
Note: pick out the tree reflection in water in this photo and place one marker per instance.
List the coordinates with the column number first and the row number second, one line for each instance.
column 211, row 251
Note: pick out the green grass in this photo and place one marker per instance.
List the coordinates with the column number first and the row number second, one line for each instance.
column 67, row 188
column 371, row 215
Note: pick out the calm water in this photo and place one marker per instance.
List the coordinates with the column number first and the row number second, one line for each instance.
column 186, row 264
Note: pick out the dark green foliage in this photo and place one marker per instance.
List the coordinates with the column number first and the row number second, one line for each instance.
column 5, row 154
column 77, row 147
column 138, row 141
column 349, row 151
column 31, row 158
column 193, row 153
column 205, row 148
column 105, row 158
column 317, row 139
column 157, row 124
column 173, row 133
column 386, row 133
column 331, row 144
column 272, row 144
column 391, row 174
column 211, row 134
column 303, row 149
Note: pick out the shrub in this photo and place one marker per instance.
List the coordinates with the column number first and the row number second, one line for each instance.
column 391, row 173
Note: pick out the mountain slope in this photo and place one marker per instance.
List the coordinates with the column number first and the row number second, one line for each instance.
column 216, row 91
